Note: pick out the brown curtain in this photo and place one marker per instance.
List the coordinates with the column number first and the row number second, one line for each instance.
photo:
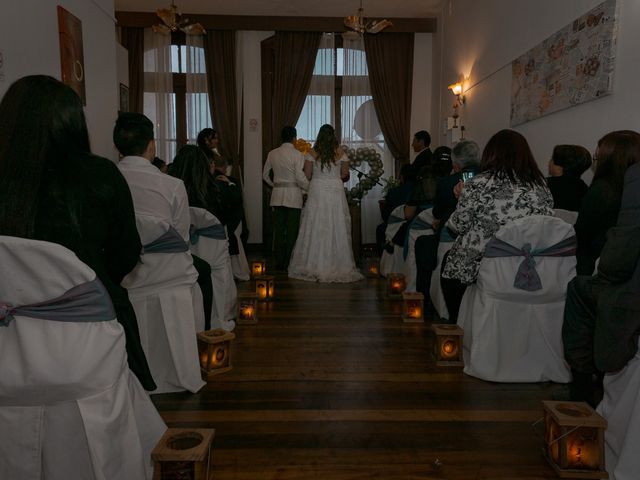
column 295, row 57
column 133, row 40
column 220, row 62
column 390, row 63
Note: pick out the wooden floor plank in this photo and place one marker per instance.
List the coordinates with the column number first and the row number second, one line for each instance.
column 332, row 384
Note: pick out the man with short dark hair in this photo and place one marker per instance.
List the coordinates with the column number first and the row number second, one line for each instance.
column 420, row 145
column 286, row 198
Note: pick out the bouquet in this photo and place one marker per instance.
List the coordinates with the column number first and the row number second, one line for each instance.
column 302, row 145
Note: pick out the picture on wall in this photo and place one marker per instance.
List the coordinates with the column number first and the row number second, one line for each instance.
column 573, row 66
column 71, row 52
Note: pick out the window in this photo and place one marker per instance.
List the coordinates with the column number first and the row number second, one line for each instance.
column 175, row 90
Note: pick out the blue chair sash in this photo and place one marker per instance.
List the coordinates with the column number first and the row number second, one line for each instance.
column 394, row 219
column 216, row 232
column 416, row 224
column 169, row 242
column 87, row 302
column 527, row 277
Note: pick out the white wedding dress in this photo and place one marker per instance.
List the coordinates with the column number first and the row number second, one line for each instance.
column 323, row 249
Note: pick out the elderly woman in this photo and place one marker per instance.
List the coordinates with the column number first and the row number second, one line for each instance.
column 567, row 164
column 509, row 186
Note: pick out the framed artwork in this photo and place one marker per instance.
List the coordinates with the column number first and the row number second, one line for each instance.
column 124, row 98
column 71, row 52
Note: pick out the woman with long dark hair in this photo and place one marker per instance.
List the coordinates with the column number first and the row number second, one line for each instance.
column 53, row 188
column 323, row 248
column 566, row 166
column 509, row 186
column 616, row 152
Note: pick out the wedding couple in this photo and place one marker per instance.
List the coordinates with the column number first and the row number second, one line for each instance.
column 322, row 234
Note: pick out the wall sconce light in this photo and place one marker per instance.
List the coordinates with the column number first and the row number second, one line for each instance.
column 456, row 89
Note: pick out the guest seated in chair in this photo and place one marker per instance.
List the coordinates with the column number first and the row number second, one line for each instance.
column 601, row 204
column 53, row 188
column 395, row 197
column 602, row 312
column 567, row 164
column 509, row 186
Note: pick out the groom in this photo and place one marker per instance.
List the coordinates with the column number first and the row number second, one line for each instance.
column 286, row 199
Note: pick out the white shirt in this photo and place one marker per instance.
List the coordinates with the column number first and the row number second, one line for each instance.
column 157, row 194
column 288, row 178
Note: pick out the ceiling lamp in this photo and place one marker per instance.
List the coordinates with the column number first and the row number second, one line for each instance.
column 360, row 25
column 173, row 22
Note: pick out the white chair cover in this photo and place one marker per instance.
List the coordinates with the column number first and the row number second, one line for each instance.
column 435, row 290
column 216, row 253
column 513, row 335
column 621, row 407
column 566, row 215
column 415, row 231
column 239, row 263
column 168, row 305
column 393, row 262
column 69, row 406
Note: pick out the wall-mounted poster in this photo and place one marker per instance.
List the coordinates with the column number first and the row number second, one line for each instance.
column 71, row 52
column 573, row 66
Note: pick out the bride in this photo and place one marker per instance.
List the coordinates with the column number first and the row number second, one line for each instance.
column 323, row 249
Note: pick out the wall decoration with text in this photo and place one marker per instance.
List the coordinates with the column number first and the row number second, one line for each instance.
column 71, row 52
column 573, row 66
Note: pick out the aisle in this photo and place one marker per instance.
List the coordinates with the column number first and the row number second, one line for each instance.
column 330, row 384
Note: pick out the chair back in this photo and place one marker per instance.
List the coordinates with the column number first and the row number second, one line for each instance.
column 213, row 248
column 538, row 233
column 566, row 215
column 396, row 219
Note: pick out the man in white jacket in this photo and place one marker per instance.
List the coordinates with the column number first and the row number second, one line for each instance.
column 288, row 184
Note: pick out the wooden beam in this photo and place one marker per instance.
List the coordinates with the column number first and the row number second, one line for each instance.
column 268, row 23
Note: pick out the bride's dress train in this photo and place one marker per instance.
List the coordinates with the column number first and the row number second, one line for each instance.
column 323, row 249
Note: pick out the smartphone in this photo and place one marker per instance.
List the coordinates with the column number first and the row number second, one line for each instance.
column 467, row 175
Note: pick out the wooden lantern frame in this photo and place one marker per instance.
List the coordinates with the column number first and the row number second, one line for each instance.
column 268, row 283
column 214, row 352
column 393, row 280
column 566, row 426
column 258, row 268
column 182, row 449
column 247, row 313
column 448, row 336
column 412, row 307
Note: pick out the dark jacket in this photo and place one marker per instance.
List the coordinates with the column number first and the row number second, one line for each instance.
column 423, row 159
column 445, row 201
column 567, row 192
column 88, row 209
column 395, row 197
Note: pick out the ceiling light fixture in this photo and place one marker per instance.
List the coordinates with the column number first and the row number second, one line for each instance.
column 173, row 21
column 359, row 23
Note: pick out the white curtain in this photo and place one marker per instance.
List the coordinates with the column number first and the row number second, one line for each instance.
column 159, row 99
column 198, row 112
column 319, row 107
column 360, row 127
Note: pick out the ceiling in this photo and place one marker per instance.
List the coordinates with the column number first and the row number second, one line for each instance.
column 295, row 8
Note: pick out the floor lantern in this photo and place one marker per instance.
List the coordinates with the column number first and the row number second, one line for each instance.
column 265, row 285
column 371, row 266
column 258, row 267
column 247, row 308
column 183, row 453
column 448, row 345
column 574, row 439
column 412, row 307
column 396, row 284
column 214, row 350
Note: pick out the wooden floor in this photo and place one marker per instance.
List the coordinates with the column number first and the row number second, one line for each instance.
column 330, row 384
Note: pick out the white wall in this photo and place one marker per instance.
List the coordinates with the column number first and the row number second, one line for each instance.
column 480, row 39
column 422, row 85
column 29, row 40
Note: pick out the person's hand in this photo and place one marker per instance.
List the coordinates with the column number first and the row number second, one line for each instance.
column 223, row 178
column 457, row 190
column 436, row 223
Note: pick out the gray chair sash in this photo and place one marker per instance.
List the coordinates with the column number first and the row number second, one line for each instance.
column 527, row 277
column 420, row 224
column 394, row 219
column 169, row 242
column 212, row 231
column 87, row 302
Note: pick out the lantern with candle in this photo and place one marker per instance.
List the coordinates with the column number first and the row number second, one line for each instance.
column 574, row 437
column 412, row 307
column 448, row 345
column 214, row 349
column 247, row 308
column 396, row 284
column 371, row 266
column 265, row 287
column 258, row 267
column 183, row 453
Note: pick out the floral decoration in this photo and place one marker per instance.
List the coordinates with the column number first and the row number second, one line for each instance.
column 368, row 163
column 302, row 145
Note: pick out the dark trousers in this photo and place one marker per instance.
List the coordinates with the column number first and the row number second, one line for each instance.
column 426, row 261
column 578, row 330
column 206, row 286
column 453, row 291
column 286, row 222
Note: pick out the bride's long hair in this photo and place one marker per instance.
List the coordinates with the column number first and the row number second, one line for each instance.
column 326, row 145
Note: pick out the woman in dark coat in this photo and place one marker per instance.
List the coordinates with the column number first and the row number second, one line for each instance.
column 53, row 189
